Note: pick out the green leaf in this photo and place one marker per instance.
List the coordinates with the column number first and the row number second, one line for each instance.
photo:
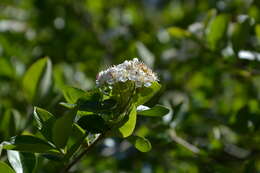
column 257, row 32
column 127, row 125
column 55, row 129
column 41, row 116
column 45, row 121
column 53, row 157
column 72, row 94
column 177, row 112
column 93, row 123
column 156, row 111
column 77, row 131
column 140, row 143
column 68, row 105
column 6, row 69
column 90, row 101
column 37, row 79
column 78, row 136
column 89, row 105
column 94, row 105
column 216, row 32
column 28, row 143
column 62, row 127
column 240, row 34
column 9, row 123
column 4, row 168
column 179, row 32
column 108, row 104
column 22, row 162
column 144, row 94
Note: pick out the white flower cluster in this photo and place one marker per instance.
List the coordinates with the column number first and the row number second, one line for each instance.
column 134, row 70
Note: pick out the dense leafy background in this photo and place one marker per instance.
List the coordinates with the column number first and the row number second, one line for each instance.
column 205, row 52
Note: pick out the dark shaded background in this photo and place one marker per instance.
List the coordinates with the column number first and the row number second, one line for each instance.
column 205, row 52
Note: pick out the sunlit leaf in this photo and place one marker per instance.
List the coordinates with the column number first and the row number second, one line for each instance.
column 257, row 32
column 38, row 79
column 156, row 111
column 144, row 94
column 216, row 32
column 140, row 143
column 68, row 105
column 45, row 121
column 4, row 168
column 41, row 116
column 179, row 32
column 72, row 94
column 22, row 162
column 127, row 125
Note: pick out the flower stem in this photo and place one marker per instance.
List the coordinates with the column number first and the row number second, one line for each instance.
column 79, row 157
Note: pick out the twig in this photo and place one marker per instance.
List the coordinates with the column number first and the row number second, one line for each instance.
column 184, row 143
column 67, row 168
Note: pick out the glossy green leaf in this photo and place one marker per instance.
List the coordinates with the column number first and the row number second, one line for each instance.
column 93, row 123
column 4, row 168
column 45, row 121
column 38, row 79
column 127, row 125
column 68, row 105
column 61, row 129
column 140, row 143
column 55, row 129
column 216, row 32
column 72, row 94
column 144, row 94
column 156, row 111
column 22, row 162
column 28, row 143
column 41, row 116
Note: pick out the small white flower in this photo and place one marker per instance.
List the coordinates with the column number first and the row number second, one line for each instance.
column 134, row 70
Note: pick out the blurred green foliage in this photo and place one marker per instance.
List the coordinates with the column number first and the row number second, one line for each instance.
column 206, row 53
